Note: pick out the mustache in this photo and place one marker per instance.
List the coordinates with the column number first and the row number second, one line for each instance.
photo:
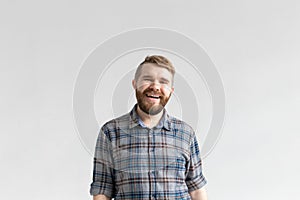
column 149, row 90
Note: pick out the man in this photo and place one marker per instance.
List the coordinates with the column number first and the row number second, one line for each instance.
column 147, row 154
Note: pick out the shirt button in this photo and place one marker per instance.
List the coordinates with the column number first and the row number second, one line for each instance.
column 151, row 173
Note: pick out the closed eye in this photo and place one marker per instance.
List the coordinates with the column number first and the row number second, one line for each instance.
column 164, row 81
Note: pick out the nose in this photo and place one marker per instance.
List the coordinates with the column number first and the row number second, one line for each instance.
column 155, row 85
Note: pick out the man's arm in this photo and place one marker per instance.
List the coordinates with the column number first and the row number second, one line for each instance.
column 199, row 194
column 195, row 179
column 102, row 187
column 101, row 197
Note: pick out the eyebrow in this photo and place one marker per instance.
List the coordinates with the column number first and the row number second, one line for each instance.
column 146, row 76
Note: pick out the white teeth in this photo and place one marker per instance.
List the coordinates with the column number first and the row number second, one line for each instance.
column 153, row 96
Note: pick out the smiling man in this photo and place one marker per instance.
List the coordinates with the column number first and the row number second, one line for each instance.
column 146, row 153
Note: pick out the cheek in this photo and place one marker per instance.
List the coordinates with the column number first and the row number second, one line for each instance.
column 166, row 91
column 142, row 86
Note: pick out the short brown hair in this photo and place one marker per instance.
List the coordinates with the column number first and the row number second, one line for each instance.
column 160, row 61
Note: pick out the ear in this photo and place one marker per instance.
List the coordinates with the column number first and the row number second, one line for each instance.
column 133, row 84
column 172, row 90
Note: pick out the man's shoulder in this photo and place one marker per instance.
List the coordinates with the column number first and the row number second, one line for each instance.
column 181, row 129
column 177, row 123
column 121, row 121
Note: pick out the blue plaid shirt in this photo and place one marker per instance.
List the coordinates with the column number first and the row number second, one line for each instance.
column 135, row 162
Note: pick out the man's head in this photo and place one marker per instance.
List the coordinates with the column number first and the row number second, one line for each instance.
column 153, row 83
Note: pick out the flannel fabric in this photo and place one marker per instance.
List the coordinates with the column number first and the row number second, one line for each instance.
column 135, row 162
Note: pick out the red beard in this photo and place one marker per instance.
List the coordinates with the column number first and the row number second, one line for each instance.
column 149, row 107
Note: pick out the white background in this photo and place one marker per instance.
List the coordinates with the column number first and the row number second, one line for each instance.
column 254, row 44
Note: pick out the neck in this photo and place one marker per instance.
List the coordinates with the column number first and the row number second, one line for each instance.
column 149, row 120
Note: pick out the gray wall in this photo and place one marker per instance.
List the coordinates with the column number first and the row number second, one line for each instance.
column 254, row 44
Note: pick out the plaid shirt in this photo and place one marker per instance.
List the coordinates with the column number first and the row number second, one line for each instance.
column 135, row 162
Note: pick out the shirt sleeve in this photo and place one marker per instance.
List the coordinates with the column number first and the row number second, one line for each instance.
column 195, row 179
column 103, row 182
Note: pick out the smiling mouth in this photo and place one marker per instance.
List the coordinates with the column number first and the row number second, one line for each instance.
column 153, row 96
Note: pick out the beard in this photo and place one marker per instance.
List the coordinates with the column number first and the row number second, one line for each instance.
column 151, row 108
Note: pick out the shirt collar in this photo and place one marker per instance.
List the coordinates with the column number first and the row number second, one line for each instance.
column 135, row 120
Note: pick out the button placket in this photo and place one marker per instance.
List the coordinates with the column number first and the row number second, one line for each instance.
column 151, row 157
column 151, row 139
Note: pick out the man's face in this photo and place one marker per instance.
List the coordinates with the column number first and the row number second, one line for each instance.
column 153, row 88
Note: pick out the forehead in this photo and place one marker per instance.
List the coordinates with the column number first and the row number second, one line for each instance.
column 154, row 70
